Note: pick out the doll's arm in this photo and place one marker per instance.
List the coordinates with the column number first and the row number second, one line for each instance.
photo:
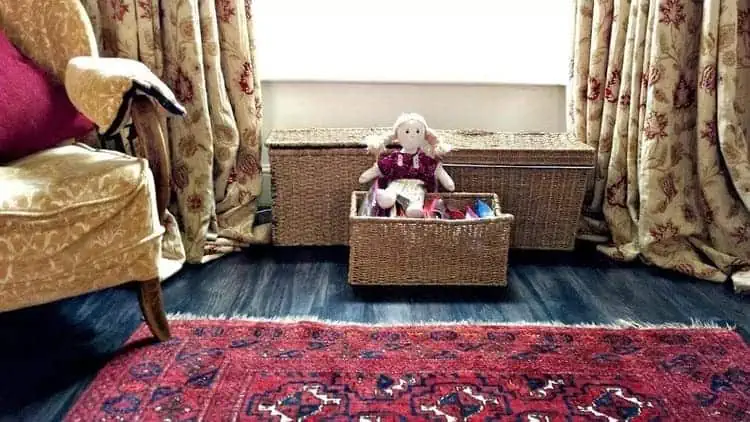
column 444, row 178
column 370, row 174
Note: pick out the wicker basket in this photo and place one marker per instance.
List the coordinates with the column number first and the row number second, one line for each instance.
column 416, row 251
column 540, row 178
column 309, row 187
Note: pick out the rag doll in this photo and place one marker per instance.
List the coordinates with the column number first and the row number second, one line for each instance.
column 411, row 171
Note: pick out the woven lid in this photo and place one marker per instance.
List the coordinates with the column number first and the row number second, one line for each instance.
column 469, row 146
column 321, row 137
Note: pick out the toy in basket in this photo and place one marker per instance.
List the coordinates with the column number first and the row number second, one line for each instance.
column 443, row 238
column 432, row 251
column 407, row 174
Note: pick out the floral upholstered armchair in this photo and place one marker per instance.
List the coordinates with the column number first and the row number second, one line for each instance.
column 74, row 219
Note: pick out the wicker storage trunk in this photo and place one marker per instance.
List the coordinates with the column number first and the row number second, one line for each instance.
column 417, row 251
column 540, row 178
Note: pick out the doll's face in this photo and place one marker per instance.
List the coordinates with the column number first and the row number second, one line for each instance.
column 411, row 134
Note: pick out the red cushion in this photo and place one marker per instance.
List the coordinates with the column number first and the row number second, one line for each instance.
column 35, row 112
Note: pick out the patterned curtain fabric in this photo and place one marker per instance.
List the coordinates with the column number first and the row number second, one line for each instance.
column 661, row 88
column 204, row 51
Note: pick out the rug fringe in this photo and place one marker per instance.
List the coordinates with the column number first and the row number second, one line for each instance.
column 618, row 324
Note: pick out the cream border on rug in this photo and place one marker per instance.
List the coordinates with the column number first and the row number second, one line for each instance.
column 618, row 324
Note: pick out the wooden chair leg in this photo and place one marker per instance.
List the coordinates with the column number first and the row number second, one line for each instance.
column 152, row 307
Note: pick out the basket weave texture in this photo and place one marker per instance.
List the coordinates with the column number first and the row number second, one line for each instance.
column 540, row 178
column 311, row 188
column 417, row 251
column 546, row 201
column 468, row 146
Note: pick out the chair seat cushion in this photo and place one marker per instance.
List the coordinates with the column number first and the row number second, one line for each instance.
column 72, row 220
column 35, row 111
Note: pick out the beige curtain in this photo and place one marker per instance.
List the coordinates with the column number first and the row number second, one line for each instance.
column 204, row 51
column 661, row 88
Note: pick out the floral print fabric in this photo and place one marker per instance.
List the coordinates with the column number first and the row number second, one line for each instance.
column 100, row 88
column 661, row 88
column 50, row 32
column 204, row 52
column 86, row 217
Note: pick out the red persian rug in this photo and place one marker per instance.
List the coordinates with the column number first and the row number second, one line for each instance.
column 219, row 370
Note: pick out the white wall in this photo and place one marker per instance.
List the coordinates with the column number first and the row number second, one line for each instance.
column 446, row 106
column 485, row 41
column 474, row 63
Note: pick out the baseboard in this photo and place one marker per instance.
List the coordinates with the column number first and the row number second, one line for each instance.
column 265, row 199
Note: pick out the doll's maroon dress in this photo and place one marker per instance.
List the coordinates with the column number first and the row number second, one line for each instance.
column 401, row 165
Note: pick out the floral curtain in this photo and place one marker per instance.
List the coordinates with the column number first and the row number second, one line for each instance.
column 204, row 51
column 661, row 89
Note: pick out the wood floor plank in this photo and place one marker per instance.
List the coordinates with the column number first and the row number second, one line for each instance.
column 49, row 353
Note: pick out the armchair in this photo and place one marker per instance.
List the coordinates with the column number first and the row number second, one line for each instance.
column 74, row 219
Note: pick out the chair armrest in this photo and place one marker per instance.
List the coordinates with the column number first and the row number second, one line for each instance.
column 103, row 89
column 152, row 146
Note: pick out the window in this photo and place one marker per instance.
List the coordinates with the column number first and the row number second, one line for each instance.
column 453, row 41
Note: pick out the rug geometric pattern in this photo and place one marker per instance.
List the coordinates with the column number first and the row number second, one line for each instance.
column 236, row 370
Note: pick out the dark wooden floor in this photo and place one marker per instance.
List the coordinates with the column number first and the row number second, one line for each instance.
column 49, row 353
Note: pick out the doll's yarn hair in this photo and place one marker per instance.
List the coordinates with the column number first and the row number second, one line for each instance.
column 377, row 144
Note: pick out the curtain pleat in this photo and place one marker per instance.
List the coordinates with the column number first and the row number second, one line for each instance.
column 204, row 51
column 660, row 89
